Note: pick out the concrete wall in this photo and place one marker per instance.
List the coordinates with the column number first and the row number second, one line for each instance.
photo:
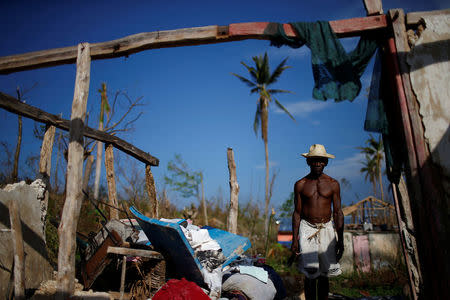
column 384, row 249
column 430, row 76
column 32, row 210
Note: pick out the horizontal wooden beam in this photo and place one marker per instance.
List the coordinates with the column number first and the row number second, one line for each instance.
column 175, row 38
column 134, row 252
column 11, row 104
column 413, row 18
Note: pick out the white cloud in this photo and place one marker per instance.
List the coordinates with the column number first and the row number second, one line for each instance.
column 304, row 108
column 348, row 167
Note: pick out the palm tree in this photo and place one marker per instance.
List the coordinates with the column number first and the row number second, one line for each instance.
column 259, row 82
column 374, row 157
column 370, row 172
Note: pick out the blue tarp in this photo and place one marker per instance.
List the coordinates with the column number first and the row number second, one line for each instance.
column 169, row 239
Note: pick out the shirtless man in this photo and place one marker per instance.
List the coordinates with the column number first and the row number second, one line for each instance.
column 314, row 238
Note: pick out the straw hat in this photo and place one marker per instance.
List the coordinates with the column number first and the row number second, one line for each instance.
column 317, row 150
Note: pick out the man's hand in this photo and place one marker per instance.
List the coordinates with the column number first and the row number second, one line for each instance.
column 295, row 247
column 339, row 250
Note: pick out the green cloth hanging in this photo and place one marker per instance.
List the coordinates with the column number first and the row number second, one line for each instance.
column 336, row 72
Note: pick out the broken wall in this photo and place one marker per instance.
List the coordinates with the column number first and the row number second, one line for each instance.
column 430, row 77
column 32, row 210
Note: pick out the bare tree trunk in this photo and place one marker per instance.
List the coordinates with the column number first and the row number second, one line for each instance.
column 205, row 211
column 45, row 163
column 87, row 172
column 266, row 209
column 19, row 259
column 74, row 196
column 151, row 191
column 234, row 193
column 58, row 158
column 15, row 172
column 380, row 179
column 110, row 177
column 98, row 165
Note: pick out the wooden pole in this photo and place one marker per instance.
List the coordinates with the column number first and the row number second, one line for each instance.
column 74, row 195
column 87, row 172
column 234, row 193
column 19, row 259
column 122, row 277
column 151, row 191
column 413, row 284
column 111, row 179
column 45, row 163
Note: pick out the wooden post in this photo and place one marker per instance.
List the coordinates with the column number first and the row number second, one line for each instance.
column 87, row 172
column 45, row 163
column 74, row 196
column 122, row 277
column 111, row 179
column 373, row 7
column 17, row 240
column 234, row 193
column 151, row 191
column 413, row 284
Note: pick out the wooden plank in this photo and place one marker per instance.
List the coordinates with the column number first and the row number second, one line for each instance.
column 74, row 194
column 151, row 191
column 134, row 252
column 234, row 193
column 373, row 7
column 11, row 104
column 174, row 38
column 19, row 257
column 413, row 18
column 111, row 179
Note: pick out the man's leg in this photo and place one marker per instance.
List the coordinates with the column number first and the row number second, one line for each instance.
column 310, row 289
column 323, row 288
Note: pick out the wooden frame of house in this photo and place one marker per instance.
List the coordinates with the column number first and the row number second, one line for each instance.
column 420, row 216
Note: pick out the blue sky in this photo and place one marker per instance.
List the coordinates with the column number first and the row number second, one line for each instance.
column 194, row 106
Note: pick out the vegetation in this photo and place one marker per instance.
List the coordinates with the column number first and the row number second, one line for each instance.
column 261, row 79
column 372, row 165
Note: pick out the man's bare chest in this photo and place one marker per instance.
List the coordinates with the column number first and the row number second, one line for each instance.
column 317, row 189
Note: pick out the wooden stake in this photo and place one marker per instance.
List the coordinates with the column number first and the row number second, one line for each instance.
column 87, row 172
column 151, row 191
column 19, row 260
column 234, row 193
column 111, row 179
column 45, row 163
column 74, row 196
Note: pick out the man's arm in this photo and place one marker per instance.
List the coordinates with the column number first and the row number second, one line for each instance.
column 338, row 218
column 296, row 217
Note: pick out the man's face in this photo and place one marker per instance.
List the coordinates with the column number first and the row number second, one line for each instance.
column 317, row 164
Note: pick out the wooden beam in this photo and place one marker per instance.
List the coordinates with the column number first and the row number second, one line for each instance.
column 74, row 194
column 151, row 191
column 19, row 257
column 11, row 104
column 111, row 179
column 373, row 7
column 234, row 193
column 413, row 18
column 134, row 252
column 175, row 38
